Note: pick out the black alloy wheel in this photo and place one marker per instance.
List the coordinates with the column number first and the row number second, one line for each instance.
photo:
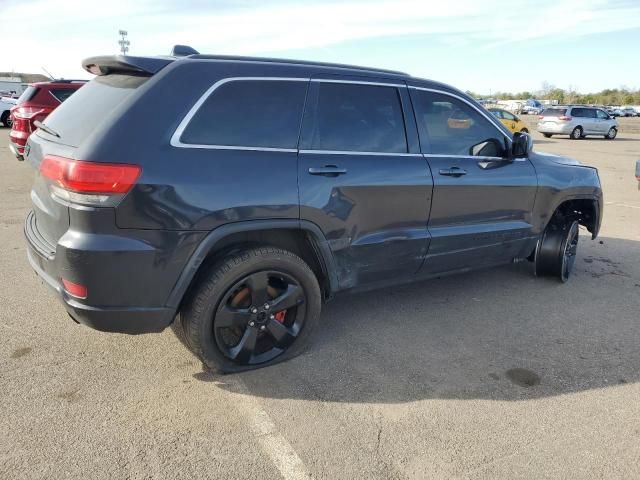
column 557, row 249
column 259, row 317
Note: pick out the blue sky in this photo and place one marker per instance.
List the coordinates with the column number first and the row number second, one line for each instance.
column 484, row 46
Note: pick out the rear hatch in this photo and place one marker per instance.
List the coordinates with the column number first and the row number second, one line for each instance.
column 68, row 127
column 553, row 116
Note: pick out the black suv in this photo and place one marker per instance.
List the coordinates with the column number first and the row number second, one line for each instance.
column 235, row 195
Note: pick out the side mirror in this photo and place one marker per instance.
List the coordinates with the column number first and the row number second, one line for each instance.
column 522, row 145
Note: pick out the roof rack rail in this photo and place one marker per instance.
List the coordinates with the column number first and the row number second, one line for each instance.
column 297, row 62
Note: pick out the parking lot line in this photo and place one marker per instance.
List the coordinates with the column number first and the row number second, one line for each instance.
column 622, row 205
column 273, row 444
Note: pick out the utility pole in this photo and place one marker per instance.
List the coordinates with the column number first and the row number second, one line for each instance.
column 124, row 43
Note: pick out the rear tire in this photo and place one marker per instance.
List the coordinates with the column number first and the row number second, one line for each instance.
column 556, row 251
column 234, row 320
column 6, row 119
column 577, row 133
column 547, row 135
column 611, row 134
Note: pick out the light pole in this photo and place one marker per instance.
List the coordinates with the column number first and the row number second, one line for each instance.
column 124, row 43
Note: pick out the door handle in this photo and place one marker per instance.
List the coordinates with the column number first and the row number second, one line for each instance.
column 327, row 171
column 453, row 172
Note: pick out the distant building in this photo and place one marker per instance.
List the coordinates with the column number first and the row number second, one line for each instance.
column 12, row 85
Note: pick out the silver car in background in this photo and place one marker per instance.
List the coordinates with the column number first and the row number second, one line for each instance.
column 577, row 122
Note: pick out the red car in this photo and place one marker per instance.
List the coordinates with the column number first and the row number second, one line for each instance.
column 35, row 103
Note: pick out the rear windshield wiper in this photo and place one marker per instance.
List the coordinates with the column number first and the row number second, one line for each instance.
column 42, row 126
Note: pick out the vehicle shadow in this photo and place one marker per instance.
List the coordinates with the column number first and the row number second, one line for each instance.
column 497, row 334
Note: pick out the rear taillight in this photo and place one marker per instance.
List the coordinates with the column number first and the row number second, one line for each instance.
column 89, row 183
column 26, row 113
column 564, row 118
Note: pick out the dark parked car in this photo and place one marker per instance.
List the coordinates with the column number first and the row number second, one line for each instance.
column 268, row 186
column 35, row 103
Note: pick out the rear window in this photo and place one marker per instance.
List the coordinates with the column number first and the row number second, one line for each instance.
column 91, row 105
column 61, row 94
column 554, row 112
column 28, row 94
column 249, row 113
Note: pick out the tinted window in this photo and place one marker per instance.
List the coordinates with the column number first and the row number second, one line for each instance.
column 61, row 94
column 452, row 127
column 363, row 118
column 578, row 112
column 250, row 113
column 554, row 112
column 89, row 106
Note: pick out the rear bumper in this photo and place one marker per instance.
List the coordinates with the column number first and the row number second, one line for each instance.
column 17, row 150
column 555, row 128
column 120, row 319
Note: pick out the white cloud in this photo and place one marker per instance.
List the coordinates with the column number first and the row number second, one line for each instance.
column 58, row 35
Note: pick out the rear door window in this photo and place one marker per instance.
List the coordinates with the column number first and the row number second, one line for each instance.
column 358, row 118
column 249, row 113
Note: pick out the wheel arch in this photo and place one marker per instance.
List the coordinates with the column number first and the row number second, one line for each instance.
column 301, row 237
column 585, row 209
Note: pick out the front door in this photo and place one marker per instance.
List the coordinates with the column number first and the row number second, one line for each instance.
column 482, row 202
column 363, row 180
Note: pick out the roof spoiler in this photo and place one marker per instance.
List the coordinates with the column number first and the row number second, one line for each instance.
column 106, row 64
column 183, row 51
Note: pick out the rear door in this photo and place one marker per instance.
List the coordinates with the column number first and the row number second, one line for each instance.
column 602, row 121
column 362, row 178
column 582, row 118
column 482, row 203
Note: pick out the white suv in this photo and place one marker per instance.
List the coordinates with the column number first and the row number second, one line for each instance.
column 577, row 122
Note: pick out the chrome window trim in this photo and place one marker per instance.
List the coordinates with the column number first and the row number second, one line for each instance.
column 175, row 138
column 176, row 142
column 357, row 82
column 486, row 114
column 433, row 155
column 355, row 152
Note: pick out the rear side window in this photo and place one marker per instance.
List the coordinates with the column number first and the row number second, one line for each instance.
column 358, row 118
column 91, row 105
column 61, row 94
column 452, row 127
column 249, row 113
column 554, row 112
